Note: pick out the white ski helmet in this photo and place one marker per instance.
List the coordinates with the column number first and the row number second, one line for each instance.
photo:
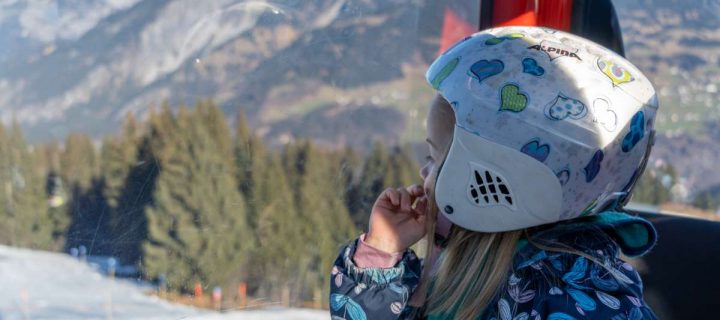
column 549, row 126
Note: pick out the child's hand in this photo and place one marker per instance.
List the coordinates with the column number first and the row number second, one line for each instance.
column 394, row 224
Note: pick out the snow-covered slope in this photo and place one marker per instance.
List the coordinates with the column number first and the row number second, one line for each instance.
column 44, row 285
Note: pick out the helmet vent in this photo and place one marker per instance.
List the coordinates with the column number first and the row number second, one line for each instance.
column 489, row 189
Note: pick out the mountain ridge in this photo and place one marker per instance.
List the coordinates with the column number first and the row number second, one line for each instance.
column 284, row 62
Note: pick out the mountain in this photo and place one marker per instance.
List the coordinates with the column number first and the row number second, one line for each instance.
column 339, row 71
column 82, row 66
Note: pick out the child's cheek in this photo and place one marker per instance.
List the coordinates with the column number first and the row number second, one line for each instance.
column 428, row 181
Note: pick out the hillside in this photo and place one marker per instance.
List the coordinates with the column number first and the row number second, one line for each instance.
column 242, row 54
column 338, row 71
column 677, row 45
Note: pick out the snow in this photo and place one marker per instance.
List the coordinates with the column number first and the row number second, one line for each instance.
column 289, row 314
column 45, row 285
column 48, row 21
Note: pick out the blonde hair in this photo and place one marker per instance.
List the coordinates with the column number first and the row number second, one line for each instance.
column 473, row 267
column 470, row 272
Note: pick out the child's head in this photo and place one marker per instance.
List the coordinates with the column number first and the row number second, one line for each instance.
column 533, row 126
column 548, row 126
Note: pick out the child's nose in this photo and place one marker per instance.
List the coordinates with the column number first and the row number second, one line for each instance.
column 424, row 172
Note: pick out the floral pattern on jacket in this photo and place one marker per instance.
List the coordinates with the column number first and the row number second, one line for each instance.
column 541, row 285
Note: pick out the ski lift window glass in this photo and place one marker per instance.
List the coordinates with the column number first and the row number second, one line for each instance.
column 676, row 45
column 212, row 153
column 215, row 153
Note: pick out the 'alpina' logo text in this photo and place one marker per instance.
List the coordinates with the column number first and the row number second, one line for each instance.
column 555, row 50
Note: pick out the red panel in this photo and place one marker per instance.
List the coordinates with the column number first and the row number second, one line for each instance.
column 513, row 12
column 548, row 13
column 555, row 14
column 454, row 29
column 526, row 19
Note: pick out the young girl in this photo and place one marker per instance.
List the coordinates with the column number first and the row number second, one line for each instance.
column 536, row 140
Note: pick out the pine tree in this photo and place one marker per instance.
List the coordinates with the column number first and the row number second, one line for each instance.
column 88, row 210
column 26, row 222
column 197, row 227
column 118, row 155
column 250, row 163
column 124, row 184
column 231, row 203
column 374, row 178
column 325, row 221
column 174, row 241
column 243, row 152
column 381, row 170
column 278, row 231
column 404, row 168
column 57, row 195
column 216, row 126
column 78, row 162
column 347, row 173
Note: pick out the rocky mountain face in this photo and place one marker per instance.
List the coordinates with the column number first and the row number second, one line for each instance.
column 338, row 71
column 80, row 66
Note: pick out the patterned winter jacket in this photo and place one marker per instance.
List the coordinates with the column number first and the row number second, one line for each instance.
column 541, row 285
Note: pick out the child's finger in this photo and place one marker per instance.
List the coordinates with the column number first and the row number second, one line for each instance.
column 405, row 201
column 393, row 196
column 421, row 206
column 421, row 218
column 416, row 190
column 420, row 211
